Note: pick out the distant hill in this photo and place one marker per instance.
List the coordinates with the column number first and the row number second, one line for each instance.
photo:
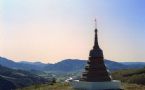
column 112, row 65
column 67, row 65
column 134, row 64
column 21, row 65
column 11, row 79
column 40, row 64
column 75, row 65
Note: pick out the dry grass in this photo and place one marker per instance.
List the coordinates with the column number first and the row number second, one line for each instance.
column 133, row 87
column 64, row 86
column 57, row 86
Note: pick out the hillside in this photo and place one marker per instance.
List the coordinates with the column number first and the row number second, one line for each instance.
column 136, row 76
column 132, row 79
column 5, row 84
column 10, row 78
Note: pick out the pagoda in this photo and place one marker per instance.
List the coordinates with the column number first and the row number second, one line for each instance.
column 96, row 71
column 96, row 76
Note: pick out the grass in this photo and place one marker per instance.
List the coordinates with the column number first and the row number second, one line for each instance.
column 65, row 86
column 56, row 86
column 133, row 87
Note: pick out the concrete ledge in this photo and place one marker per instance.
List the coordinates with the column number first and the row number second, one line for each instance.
column 83, row 85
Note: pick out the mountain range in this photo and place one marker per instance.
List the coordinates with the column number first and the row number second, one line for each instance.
column 67, row 65
column 21, row 74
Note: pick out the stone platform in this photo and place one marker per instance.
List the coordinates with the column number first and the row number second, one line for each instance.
column 108, row 85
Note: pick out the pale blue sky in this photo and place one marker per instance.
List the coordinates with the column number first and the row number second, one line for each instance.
column 53, row 30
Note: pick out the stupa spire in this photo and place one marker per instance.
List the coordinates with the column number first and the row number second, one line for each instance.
column 95, row 23
column 96, row 45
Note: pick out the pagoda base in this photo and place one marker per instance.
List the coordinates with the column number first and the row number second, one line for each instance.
column 108, row 85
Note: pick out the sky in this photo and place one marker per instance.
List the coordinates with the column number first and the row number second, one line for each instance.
column 53, row 30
